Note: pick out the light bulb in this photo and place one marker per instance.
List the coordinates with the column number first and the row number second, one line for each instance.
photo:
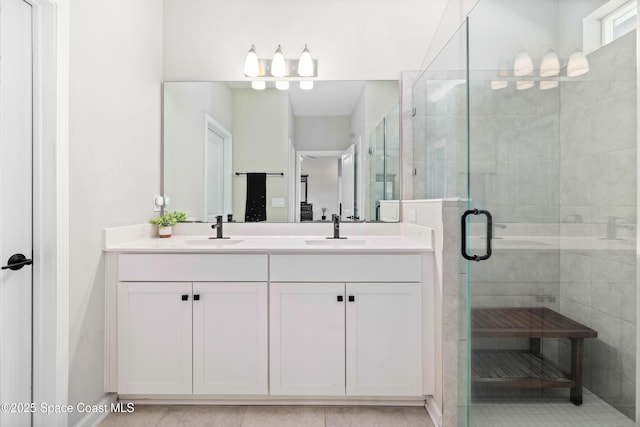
column 499, row 84
column 578, row 64
column 282, row 84
column 258, row 84
column 548, row 84
column 278, row 66
column 550, row 65
column 305, row 64
column 522, row 65
column 524, row 84
column 306, row 84
column 251, row 63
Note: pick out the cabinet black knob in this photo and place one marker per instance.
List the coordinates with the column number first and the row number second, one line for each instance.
column 196, row 297
column 352, row 298
column 185, row 297
column 339, row 298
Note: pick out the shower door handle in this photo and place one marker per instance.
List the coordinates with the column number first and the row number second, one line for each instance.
column 487, row 255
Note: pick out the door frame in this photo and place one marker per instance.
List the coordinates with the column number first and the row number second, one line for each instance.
column 298, row 157
column 50, row 347
column 227, row 148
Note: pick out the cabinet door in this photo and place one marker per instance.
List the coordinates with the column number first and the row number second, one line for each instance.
column 307, row 338
column 384, row 348
column 154, row 338
column 230, row 338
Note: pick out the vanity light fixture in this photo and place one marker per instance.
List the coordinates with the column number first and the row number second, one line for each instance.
column 251, row 63
column 282, row 84
column 305, row 64
column 524, row 84
column 522, row 65
column 278, row 66
column 578, row 64
column 499, row 84
column 258, row 84
column 262, row 70
column 306, row 84
column 548, row 84
column 550, row 65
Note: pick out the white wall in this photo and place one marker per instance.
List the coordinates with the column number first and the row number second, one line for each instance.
column 352, row 39
column 323, row 133
column 260, row 144
column 115, row 94
column 322, row 185
column 185, row 105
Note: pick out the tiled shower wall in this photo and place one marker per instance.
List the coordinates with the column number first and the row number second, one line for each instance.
column 598, row 175
column 548, row 164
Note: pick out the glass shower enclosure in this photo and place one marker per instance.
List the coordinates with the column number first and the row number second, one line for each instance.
column 533, row 129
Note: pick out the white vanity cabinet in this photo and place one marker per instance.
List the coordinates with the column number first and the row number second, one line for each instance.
column 192, row 336
column 361, row 337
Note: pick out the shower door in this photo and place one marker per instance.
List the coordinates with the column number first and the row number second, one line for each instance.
column 548, row 234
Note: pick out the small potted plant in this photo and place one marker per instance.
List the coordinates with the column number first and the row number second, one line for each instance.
column 324, row 210
column 165, row 224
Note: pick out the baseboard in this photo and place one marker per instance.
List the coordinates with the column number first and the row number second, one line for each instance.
column 102, row 409
column 434, row 411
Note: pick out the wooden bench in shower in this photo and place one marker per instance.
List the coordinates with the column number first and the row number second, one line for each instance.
column 527, row 368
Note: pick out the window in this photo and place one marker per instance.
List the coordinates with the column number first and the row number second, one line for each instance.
column 619, row 22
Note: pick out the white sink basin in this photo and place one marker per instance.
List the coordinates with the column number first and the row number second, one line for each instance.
column 209, row 242
column 336, row 242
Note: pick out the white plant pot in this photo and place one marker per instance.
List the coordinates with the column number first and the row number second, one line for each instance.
column 165, row 232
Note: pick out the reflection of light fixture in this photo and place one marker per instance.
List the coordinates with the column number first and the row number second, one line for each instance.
column 282, row 84
column 258, row 84
column 548, row 84
column 522, row 65
column 550, row 65
column 278, row 66
column 577, row 65
column 305, row 64
column 499, row 84
column 251, row 64
column 306, row 84
column 524, row 84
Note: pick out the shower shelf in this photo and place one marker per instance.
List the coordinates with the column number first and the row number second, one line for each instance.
column 527, row 369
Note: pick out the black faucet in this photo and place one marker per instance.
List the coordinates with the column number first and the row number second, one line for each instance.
column 218, row 227
column 336, row 227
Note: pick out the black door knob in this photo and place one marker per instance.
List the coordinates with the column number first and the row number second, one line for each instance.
column 16, row 262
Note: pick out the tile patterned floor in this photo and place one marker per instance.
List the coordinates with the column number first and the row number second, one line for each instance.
column 548, row 412
column 270, row 416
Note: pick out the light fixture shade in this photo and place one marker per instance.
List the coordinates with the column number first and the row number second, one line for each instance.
column 578, row 64
column 251, row 63
column 548, row 84
column 524, row 84
column 522, row 65
column 306, row 84
column 499, row 84
column 282, row 84
column 278, row 66
column 258, row 84
column 305, row 64
column 550, row 65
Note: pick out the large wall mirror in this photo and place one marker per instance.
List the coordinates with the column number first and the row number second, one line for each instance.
column 282, row 155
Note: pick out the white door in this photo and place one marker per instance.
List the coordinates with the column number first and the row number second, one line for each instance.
column 214, row 175
column 347, row 189
column 230, row 338
column 154, row 338
column 384, row 345
column 307, row 339
column 15, row 205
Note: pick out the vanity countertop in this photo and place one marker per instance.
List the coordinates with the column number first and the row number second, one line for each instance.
column 273, row 244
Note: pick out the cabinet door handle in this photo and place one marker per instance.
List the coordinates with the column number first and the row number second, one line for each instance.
column 185, row 297
column 196, row 297
column 352, row 298
column 340, row 298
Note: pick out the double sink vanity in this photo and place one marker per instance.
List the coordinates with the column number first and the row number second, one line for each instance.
column 266, row 316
